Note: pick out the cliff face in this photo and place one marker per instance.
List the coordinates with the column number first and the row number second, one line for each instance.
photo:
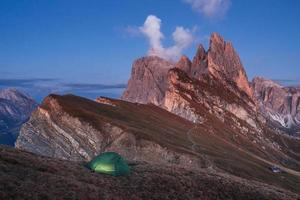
column 220, row 61
column 194, row 98
column 148, row 80
column 15, row 109
column 279, row 104
column 195, row 83
column 182, row 91
column 225, row 64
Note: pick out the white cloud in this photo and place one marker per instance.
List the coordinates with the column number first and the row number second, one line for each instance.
column 182, row 39
column 210, row 8
column 151, row 29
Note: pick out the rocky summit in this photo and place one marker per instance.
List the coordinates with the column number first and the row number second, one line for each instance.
column 182, row 87
column 220, row 62
column 200, row 115
column 148, row 81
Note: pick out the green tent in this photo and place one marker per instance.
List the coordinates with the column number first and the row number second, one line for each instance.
column 109, row 163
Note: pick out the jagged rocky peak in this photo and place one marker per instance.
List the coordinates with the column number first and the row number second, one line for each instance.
column 147, row 83
column 200, row 54
column 184, row 64
column 153, row 81
column 224, row 63
column 199, row 65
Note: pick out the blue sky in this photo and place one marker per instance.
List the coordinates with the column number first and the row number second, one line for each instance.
column 95, row 42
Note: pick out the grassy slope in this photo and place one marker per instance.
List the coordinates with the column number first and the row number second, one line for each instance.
column 155, row 124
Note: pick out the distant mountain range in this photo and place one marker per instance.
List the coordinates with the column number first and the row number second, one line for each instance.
column 194, row 115
column 280, row 105
column 15, row 109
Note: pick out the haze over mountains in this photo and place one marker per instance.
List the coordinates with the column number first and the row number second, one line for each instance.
column 202, row 116
column 39, row 88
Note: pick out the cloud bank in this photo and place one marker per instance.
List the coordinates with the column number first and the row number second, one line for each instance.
column 40, row 88
column 182, row 39
column 210, row 8
column 90, row 86
column 25, row 82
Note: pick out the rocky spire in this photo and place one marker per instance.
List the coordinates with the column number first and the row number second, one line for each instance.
column 225, row 64
column 148, row 82
column 199, row 64
column 184, row 64
column 200, row 55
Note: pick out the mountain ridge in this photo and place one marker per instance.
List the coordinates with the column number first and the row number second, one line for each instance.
column 74, row 128
column 15, row 109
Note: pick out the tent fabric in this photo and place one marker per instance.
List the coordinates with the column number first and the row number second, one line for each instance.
column 109, row 163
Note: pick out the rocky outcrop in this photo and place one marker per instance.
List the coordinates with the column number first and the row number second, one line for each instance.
column 195, row 99
column 181, row 91
column 184, row 64
column 199, row 64
column 15, row 109
column 148, row 80
column 279, row 104
column 224, row 63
